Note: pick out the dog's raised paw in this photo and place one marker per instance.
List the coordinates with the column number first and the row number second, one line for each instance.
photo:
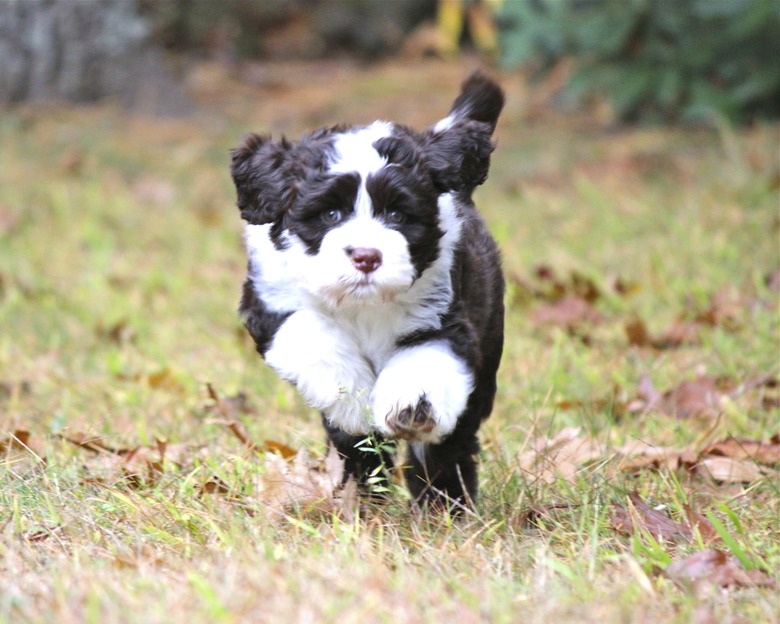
column 412, row 422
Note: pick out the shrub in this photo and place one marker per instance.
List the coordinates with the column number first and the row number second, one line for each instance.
column 660, row 60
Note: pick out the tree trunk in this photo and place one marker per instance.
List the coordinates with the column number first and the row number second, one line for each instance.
column 83, row 52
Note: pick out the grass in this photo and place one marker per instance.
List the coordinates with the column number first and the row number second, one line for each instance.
column 120, row 269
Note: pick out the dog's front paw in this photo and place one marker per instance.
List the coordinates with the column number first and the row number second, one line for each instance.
column 412, row 422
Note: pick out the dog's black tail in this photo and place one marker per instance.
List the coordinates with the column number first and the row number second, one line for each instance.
column 480, row 99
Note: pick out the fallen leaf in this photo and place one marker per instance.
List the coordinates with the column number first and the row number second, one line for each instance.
column 568, row 312
column 533, row 515
column 40, row 534
column 282, row 449
column 701, row 523
column 638, row 454
column 560, row 456
column 21, row 451
column 728, row 470
column 118, row 333
column 163, row 379
column 639, row 515
column 16, row 440
column 215, row 485
column 679, row 333
column 699, row 396
column 713, row 567
column 304, row 482
column 743, row 448
column 138, row 465
column 637, row 334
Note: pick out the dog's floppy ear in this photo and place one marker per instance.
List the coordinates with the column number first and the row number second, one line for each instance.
column 458, row 148
column 262, row 187
column 459, row 157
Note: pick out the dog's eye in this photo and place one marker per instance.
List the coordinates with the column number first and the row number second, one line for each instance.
column 331, row 217
column 395, row 217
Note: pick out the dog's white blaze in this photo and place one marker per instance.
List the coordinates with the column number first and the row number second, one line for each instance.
column 429, row 369
column 355, row 150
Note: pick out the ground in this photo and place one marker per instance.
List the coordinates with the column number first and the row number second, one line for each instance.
column 154, row 470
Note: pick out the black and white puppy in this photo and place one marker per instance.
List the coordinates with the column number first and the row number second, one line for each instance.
column 375, row 288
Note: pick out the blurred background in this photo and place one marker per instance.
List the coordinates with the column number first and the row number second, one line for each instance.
column 640, row 60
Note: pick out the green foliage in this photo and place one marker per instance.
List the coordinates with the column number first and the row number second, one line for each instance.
column 658, row 60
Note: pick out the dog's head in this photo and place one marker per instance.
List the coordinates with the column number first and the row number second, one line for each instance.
column 358, row 214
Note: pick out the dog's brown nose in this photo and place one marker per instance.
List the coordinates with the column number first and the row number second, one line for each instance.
column 365, row 259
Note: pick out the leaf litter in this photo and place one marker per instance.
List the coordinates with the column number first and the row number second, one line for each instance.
column 715, row 568
column 699, row 571
column 569, row 454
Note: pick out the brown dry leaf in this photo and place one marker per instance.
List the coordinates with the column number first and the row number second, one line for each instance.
column 639, row 515
column 546, row 285
column 533, row 516
column 724, row 310
column 561, row 456
column 702, row 396
column 613, row 402
column 118, row 333
column 17, row 440
column 638, row 454
column 715, row 568
column 677, row 334
column 728, row 470
column 743, row 448
column 304, row 482
column 701, row 523
column 229, row 408
column 140, row 464
column 40, row 534
column 215, row 485
column 569, row 312
column 21, row 451
column 164, row 379
column 637, row 334
column 696, row 397
column 282, row 449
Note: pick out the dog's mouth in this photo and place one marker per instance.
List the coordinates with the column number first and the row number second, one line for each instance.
column 364, row 289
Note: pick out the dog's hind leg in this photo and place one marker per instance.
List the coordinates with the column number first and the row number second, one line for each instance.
column 364, row 456
column 444, row 476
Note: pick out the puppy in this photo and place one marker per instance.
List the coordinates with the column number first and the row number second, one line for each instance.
column 375, row 288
